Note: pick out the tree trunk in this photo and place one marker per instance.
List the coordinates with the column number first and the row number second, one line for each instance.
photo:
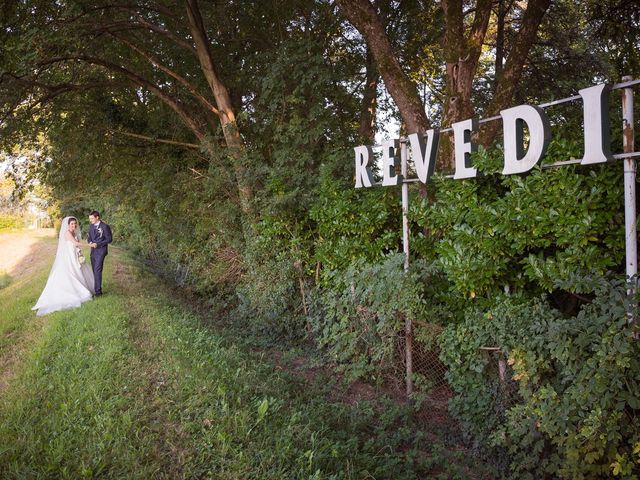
column 224, row 105
column 514, row 66
column 364, row 18
column 367, row 129
column 462, row 53
column 499, row 41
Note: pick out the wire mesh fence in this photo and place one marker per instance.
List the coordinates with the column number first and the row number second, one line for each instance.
column 432, row 392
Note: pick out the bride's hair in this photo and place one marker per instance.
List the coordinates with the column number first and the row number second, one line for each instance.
column 72, row 219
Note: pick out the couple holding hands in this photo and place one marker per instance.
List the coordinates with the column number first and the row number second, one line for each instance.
column 71, row 281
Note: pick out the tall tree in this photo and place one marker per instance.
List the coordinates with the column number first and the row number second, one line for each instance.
column 367, row 129
column 508, row 79
column 363, row 16
column 225, row 109
column 463, row 40
column 94, row 34
column 462, row 50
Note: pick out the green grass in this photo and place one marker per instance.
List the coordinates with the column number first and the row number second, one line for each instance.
column 5, row 279
column 16, row 299
column 136, row 385
column 70, row 412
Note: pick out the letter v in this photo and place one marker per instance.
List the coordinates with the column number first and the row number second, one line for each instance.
column 424, row 155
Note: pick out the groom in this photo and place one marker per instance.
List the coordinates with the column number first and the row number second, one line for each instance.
column 99, row 238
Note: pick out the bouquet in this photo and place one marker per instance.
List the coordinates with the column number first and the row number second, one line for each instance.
column 81, row 259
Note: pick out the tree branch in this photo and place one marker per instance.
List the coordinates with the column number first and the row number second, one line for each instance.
column 514, row 65
column 142, row 23
column 157, row 63
column 53, row 91
column 194, row 146
column 140, row 81
column 479, row 27
column 162, row 31
column 364, row 18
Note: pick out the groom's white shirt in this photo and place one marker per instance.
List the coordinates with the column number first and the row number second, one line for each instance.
column 97, row 224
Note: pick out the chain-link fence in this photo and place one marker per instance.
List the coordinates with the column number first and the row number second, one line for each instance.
column 429, row 382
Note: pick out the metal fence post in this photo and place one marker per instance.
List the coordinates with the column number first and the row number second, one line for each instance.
column 405, row 247
column 630, row 218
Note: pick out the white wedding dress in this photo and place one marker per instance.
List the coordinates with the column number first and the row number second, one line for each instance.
column 70, row 282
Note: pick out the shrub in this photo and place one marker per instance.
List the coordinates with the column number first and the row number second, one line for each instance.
column 5, row 279
column 273, row 291
column 575, row 413
column 524, row 232
column 9, row 222
column 354, row 224
column 359, row 318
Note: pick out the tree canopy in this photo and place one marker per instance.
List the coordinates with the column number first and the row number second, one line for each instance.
column 216, row 138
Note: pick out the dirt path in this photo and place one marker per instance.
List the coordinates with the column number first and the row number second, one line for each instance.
column 22, row 251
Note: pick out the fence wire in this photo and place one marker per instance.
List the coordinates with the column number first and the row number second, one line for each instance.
column 433, row 391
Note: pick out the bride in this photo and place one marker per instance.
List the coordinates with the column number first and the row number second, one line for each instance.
column 70, row 282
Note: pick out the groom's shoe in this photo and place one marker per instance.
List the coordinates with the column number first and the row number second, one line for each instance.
column 97, row 294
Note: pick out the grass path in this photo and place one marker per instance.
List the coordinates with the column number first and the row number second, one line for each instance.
column 135, row 385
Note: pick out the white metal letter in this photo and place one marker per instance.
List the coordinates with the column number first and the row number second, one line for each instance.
column 596, row 124
column 364, row 177
column 424, row 156
column 390, row 160
column 464, row 147
column 516, row 160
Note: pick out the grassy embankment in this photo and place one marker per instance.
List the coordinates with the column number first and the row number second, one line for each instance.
column 136, row 385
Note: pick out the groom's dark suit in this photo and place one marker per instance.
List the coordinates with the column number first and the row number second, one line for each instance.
column 100, row 234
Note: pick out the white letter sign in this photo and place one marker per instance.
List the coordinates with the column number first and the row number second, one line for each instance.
column 464, row 147
column 364, row 177
column 514, row 119
column 424, row 156
column 596, row 124
column 527, row 133
column 390, row 160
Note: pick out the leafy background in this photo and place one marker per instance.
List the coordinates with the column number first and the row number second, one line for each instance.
column 531, row 265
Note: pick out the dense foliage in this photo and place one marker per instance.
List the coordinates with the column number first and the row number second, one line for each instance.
column 9, row 222
column 259, row 216
column 570, row 409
